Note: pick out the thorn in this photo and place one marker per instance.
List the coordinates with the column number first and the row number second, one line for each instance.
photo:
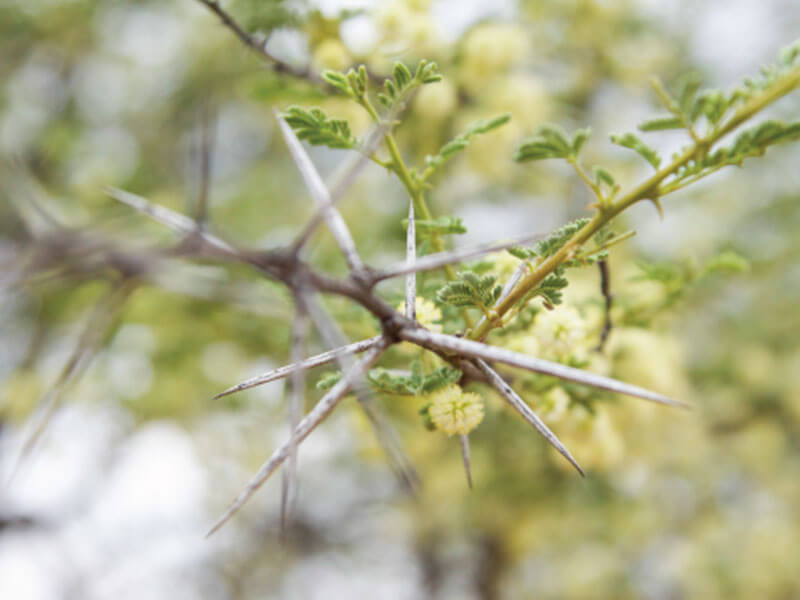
column 657, row 203
column 464, row 439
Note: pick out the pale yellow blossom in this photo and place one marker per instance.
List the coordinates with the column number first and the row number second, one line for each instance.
column 454, row 411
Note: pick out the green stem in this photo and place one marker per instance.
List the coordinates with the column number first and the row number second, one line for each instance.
column 415, row 192
column 648, row 189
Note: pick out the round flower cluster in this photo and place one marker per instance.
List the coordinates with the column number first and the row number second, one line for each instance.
column 454, row 411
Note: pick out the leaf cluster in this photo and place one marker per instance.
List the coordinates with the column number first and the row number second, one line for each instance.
column 317, row 128
column 416, row 383
column 551, row 141
column 470, row 290
column 444, row 225
column 551, row 244
column 630, row 140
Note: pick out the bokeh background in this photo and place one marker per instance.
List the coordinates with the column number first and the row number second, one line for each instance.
column 138, row 460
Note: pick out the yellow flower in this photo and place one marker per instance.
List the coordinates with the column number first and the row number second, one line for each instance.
column 561, row 332
column 454, row 411
column 427, row 314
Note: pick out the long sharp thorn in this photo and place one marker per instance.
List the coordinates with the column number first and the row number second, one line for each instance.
column 321, row 195
column 175, row 221
column 523, row 409
column 96, row 326
column 340, row 183
column 442, row 259
column 309, row 363
column 318, row 414
column 464, row 439
column 411, row 257
column 299, row 334
column 451, row 344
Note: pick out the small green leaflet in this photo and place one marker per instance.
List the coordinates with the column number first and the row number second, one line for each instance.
column 631, row 141
column 551, row 244
column 460, row 142
column 416, row 383
column 470, row 289
column 316, row 128
column 439, row 226
column 551, row 142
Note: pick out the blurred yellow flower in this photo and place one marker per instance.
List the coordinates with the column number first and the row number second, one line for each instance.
column 427, row 314
column 437, row 101
column 331, row 54
column 493, row 47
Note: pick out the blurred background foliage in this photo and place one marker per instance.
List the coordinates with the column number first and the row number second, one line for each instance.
column 139, row 458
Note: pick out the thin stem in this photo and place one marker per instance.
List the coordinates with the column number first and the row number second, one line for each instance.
column 587, row 180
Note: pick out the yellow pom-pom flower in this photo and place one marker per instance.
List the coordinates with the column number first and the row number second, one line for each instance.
column 454, row 411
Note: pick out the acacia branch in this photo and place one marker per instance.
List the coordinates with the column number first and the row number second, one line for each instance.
column 440, row 342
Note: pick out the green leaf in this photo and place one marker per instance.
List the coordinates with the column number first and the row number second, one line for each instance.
column 337, row 80
column 550, row 290
column 440, row 226
column 549, row 142
column 417, row 383
column 579, row 139
column 688, row 87
column 459, row 143
column 328, row 379
column 315, row 127
column 631, row 141
column 661, row 124
column 486, row 125
column 727, row 262
column 603, row 176
column 401, row 75
column 470, row 289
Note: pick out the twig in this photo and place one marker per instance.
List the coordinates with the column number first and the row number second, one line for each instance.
column 451, row 344
column 522, row 408
column 318, row 414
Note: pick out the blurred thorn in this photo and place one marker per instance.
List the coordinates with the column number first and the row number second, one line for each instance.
column 464, row 439
column 96, row 326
